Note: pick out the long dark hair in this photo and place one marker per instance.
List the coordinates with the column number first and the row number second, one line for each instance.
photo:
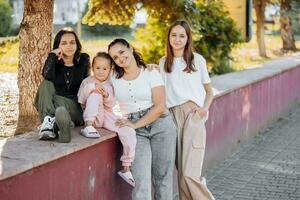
column 57, row 40
column 139, row 61
column 188, row 55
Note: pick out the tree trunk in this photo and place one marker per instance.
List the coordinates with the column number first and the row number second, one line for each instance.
column 259, row 6
column 286, row 31
column 35, row 43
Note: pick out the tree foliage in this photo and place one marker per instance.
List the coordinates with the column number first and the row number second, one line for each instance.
column 295, row 16
column 152, row 39
column 122, row 12
column 105, row 29
column 214, row 32
column 5, row 18
column 110, row 11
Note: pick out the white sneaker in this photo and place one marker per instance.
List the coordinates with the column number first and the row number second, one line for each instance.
column 46, row 130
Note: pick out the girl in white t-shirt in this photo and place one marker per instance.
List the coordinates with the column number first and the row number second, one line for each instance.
column 189, row 95
column 141, row 97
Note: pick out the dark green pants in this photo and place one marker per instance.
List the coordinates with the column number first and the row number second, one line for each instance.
column 46, row 101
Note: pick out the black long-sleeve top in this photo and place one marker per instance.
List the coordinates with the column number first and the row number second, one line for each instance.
column 66, row 80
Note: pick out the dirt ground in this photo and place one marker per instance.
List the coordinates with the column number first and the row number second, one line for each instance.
column 8, row 104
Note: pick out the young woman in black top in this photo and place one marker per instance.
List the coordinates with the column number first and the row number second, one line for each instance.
column 56, row 99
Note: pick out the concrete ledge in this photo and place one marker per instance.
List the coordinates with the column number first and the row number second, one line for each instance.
column 83, row 169
column 226, row 83
column 24, row 152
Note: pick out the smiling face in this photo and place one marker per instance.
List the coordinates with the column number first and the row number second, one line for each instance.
column 178, row 38
column 68, row 44
column 101, row 68
column 121, row 55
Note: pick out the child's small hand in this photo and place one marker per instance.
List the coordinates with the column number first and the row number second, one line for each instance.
column 100, row 89
column 124, row 122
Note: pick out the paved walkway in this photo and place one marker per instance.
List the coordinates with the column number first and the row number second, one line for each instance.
column 266, row 168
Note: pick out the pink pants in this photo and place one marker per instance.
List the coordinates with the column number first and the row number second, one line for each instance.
column 106, row 118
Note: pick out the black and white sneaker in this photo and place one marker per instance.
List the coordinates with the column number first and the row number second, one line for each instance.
column 46, row 130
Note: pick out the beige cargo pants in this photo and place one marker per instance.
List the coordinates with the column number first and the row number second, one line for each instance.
column 191, row 140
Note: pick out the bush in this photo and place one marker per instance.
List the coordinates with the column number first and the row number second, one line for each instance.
column 215, row 34
column 151, row 40
column 295, row 17
column 107, row 30
column 15, row 29
column 5, row 18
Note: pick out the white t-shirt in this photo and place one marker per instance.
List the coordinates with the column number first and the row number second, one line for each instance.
column 182, row 86
column 136, row 95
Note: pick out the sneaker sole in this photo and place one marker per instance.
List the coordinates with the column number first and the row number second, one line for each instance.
column 63, row 121
column 126, row 179
column 46, row 135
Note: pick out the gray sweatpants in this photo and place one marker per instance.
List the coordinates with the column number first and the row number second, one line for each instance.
column 154, row 158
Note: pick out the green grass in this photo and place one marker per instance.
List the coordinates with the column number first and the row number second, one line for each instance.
column 246, row 55
column 9, row 52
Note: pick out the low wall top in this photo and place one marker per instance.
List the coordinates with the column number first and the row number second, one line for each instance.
column 226, row 83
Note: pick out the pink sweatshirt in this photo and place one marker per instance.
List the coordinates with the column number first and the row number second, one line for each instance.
column 88, row 86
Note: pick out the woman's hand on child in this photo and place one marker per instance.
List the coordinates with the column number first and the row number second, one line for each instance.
column 150, row 67
column 124, row 122
column 58, row 52
column 201, row 111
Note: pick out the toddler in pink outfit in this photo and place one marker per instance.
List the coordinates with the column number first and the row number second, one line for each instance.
column 96, row 95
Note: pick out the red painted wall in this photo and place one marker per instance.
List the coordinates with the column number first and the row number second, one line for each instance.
column 88, row 174
column 237, row 116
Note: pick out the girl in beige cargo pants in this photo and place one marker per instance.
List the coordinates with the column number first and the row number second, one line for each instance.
column 189, row 95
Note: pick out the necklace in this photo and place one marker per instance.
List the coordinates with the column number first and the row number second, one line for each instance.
column 68, row 75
